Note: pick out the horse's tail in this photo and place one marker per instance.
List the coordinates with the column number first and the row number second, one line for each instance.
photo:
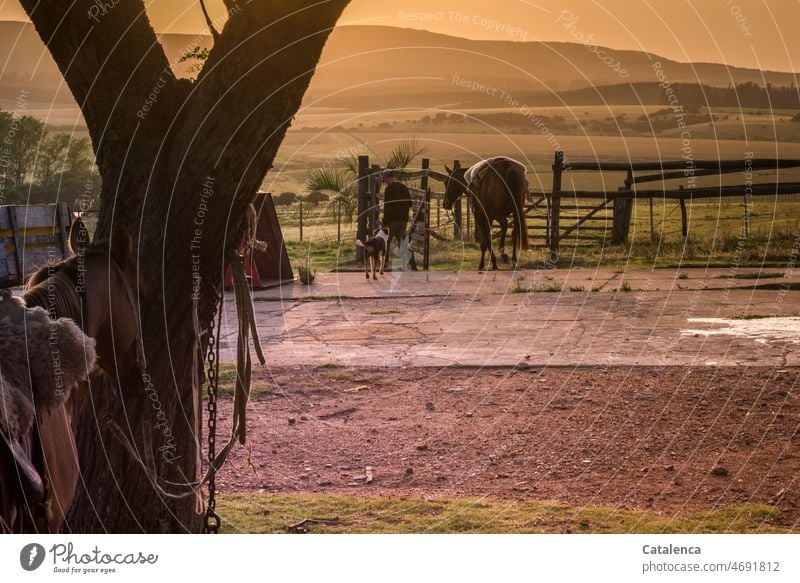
column 515, row 179
column 359, row 243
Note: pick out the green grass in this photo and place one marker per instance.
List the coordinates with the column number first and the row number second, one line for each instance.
column 227, row 381
column 519, row 287
column 577, row 288
column 307, row 274
column 227, row 378
column 748, row 316
column 547, row 288
column 323, row 255
column 765, row 275
column 267, row 513
column 700, row 250
column 714, row 238
column 319, row 298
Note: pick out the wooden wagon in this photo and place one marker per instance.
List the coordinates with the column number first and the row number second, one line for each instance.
column 32, row 237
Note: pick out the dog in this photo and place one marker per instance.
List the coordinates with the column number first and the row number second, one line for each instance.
column 375, row 251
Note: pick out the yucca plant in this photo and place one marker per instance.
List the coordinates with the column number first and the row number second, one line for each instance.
column 307, row 275
column 340, row 183
column 404, row 154
column 343, row 182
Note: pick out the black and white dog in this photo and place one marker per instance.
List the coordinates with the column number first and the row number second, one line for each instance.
column 375, row 251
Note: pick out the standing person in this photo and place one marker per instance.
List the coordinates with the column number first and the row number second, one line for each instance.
column 396, row 204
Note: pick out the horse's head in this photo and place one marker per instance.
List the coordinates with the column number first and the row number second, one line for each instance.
column 95, row 288
column 454, row 186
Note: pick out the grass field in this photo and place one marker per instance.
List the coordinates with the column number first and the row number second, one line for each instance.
column 267, row 513
column 714, row 226
column 303, row 150
column 322, row 139
column 714, row 238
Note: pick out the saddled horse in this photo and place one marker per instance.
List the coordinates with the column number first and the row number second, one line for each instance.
column 93, row 288
column 497, row 190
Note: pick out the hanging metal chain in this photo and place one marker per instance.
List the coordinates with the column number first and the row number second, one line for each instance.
column 212, row 520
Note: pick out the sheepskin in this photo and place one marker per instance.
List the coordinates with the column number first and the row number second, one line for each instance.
column 41, row 361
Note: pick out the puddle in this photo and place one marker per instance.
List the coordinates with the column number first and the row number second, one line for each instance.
column 762, row 330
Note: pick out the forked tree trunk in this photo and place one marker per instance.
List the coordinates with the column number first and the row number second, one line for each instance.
column 180, row 162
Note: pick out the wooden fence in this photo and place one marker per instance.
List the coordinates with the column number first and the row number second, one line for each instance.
column 370, row 198
column 621, row 201
column 597, row 215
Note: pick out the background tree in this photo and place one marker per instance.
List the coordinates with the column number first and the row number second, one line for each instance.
column 5, row 158
column 78, row 177
column 285, row 199
column 24, row 134
column 52, row 160
column 315, row 197
column 180, row 162
column 65, row 172
column 39, row 167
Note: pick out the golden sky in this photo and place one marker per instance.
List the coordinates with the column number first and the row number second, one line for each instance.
column 751, row 33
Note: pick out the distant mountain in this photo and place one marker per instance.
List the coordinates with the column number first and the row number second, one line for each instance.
column 374, row 66
column 365, row 54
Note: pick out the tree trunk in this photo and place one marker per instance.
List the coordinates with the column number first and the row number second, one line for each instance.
column 180, row 161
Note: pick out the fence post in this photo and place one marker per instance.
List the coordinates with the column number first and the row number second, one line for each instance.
column 629, row 180
column 457, row 208
column 555, row 206
column 375, row 188
column 621, row 221
column 339, row 221
column 423, row 184
column 548, row 211
column 301, row 219
column 623, row 209
column 652, row 227
column 684, row 218
column 363, row 201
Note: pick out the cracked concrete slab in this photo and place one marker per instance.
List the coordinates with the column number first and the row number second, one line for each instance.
column 670, row 317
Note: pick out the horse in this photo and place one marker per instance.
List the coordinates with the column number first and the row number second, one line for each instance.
column 94, row 289
column 497, row 189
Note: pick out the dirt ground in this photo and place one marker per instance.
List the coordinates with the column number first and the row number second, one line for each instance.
column 671, row 440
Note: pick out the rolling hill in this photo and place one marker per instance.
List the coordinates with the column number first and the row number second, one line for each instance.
column 374, row 66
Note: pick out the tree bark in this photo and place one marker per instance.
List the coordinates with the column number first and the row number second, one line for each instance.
column 180, row 161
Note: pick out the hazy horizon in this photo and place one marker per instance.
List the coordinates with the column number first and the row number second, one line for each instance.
column 743, row 33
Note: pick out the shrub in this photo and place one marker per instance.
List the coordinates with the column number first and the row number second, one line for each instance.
column 285, row 199
column 307, row 275
column 316, row 197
